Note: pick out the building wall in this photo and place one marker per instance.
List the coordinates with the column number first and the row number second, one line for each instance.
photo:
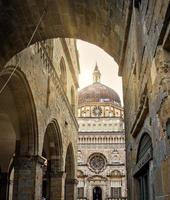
column 54, row 116
column 101, row 136
column 146, row 97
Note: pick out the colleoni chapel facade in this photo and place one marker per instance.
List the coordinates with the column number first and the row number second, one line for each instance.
column 101, row 169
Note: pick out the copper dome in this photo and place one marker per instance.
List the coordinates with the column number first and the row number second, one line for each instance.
column 98, row 92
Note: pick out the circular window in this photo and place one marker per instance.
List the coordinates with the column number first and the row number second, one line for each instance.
column 97, row 110
column 97, row 162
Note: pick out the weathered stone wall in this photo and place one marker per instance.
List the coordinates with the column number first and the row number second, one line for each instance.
column 146, row 94
column 41, row 68
column 49, row 101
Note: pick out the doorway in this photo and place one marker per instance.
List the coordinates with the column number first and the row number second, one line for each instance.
column 145, row 150
column 97, row 193
column 144, row 185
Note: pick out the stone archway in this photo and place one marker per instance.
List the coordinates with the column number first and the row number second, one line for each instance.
column 102, row 23
column 18, row 138
column 53, row 176
column 70, row 181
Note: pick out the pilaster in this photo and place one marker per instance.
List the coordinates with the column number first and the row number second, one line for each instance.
column 28, row 177
column 71, row 189
column 57, row 182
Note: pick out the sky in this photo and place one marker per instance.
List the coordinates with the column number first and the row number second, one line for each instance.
column 89, row 54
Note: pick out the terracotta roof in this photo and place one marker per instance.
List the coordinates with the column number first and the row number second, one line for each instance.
column 98, row 92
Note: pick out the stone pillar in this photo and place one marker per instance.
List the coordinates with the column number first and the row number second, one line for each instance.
column 85, row 187
column 71, row 189
column 3, row 185
column 28, row 177
column 57, row 182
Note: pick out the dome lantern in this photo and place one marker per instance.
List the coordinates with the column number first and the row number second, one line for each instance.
column 96, row 74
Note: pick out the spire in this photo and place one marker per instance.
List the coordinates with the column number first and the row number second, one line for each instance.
column 96, row 74
column 96, row 67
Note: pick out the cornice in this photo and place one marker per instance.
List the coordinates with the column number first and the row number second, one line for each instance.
column 101, row 104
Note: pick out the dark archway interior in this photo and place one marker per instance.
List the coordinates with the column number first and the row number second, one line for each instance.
column 145, row 149
column 8, row 129
column 16, row 126
column 21, row 111
column 52, row 151
column 70, row 173
column 8, row 138
column 69, row 165
column 97, row 193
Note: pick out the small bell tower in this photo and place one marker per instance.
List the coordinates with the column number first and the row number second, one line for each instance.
column 96, row 75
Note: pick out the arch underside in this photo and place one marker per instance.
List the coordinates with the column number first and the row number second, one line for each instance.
column 144, row 145
column 18, row 124
column 70, row 162
column 98, row 22
column 53, row 148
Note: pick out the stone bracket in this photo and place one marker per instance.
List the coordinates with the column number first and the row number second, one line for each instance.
column 72, row 181
column 27, row 161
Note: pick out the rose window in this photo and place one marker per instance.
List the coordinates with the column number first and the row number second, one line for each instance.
column 97, row 162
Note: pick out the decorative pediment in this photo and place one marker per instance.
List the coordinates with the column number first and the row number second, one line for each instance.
column 97, row 178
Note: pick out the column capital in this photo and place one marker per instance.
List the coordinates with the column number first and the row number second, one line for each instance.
column 24, row 160
column 72, row 181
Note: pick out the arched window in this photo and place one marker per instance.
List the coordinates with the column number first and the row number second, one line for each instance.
column 145, row 147
column 72, row 99
column 63, row 74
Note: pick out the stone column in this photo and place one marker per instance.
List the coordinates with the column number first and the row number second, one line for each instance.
column 71, row 189
column 57, row 182
column 28, row 177
column 85, row 187
column 3, row 185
